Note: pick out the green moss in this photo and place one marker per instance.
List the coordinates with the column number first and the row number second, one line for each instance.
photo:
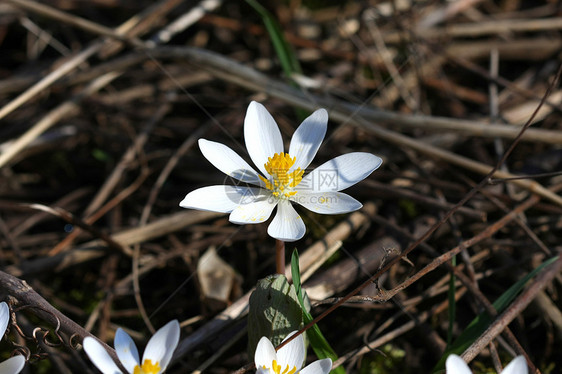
column 389, row 360
column 409, row 208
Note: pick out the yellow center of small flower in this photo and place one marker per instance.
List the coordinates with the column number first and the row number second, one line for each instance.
column 282, row 181
column 277, row 368
column 147, row 368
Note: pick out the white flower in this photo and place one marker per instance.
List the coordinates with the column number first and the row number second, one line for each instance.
column 456, row 365
column 288, row 359
column 281, row 180
column 156, row 357
column 13, row 365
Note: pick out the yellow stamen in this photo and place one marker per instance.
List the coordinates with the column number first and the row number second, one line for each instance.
column 147, row 368
column 277, row 368
column 282, row 183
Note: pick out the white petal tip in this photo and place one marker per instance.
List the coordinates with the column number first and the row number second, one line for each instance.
column 322, row 114
column 517, row 366
column 374, row 161
column 456, row 365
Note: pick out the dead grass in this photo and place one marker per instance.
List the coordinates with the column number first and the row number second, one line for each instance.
column 101, row 107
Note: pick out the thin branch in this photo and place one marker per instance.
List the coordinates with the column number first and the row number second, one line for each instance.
column 21, row 294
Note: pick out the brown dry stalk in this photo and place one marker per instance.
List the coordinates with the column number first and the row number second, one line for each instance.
column 435, row 263
column 82, row 23
column 95, row 248
column 132, row 27
column 446, row 257
column 19, row 293
column 483, row 27
column 393, row 334
column 514, row 310
column 234, row 72
column 78, row 59
column 70, row 218
column 308, row 258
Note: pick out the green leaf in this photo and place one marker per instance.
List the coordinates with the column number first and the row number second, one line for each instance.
column 101, row 155
column 318, row 342
column 287, row 56
column 483, row 320
column 274, row 311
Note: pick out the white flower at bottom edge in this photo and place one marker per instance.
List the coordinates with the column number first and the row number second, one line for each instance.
column 156, row 357
column 13, row 365
column 288, row 359
column 456, row 365
column 281, row 181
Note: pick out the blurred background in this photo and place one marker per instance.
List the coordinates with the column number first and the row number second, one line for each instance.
column 101, row 106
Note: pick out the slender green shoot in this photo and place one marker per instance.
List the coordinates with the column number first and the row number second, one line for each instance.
column 483, row 320
column 284, row 50
column 318, row 342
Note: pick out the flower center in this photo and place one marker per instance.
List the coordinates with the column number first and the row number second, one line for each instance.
column 277, row 368
column 147, row 368
column 282, row 182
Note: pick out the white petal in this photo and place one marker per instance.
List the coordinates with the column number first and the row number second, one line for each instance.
column 265, row 353
column 293, row 353
column 318, row 367
column 126, row 350
column 13, row 365
column 255, row 212
column 99, row 356
column 517, row 366
column 228, row 161
column 163, row 344
column 307, row 138
column 262, row 136
column 223, row 199
column 341, row 172
column 4, row 318
column 456, row 365
column 327, row 202
column 287, row 224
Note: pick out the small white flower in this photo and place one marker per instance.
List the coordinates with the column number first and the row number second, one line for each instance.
column 281, row 180
column 288, row 359
column 156, row 357
column 13, row 365
column 456, row 365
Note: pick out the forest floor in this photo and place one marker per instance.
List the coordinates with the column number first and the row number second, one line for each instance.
column 102, row 104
